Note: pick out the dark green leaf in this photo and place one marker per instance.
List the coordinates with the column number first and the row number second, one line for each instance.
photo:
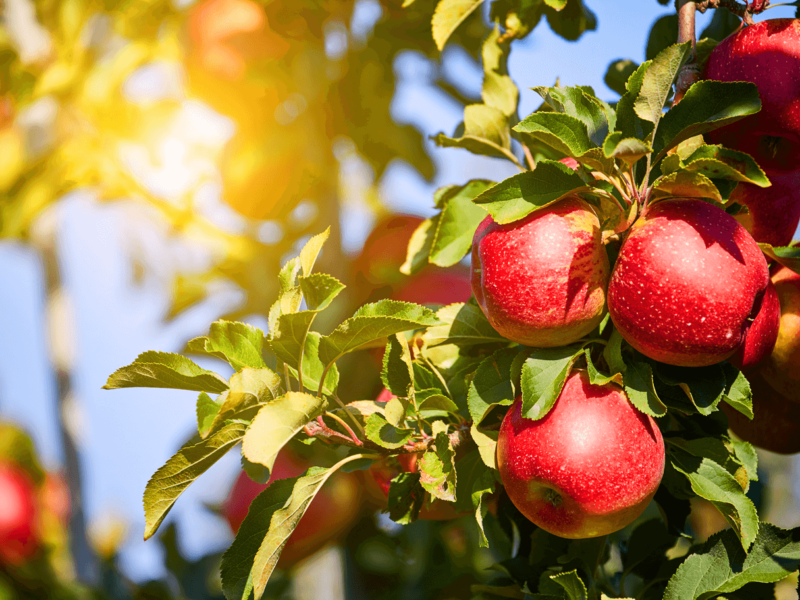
column 718, row 162
column 703, row 386
column 406, row 497
column 543, row 376
column 397, row 373
column 618, row 73
column 475, row 480
column 629, row 150
column 581, row 103
column 518, row 196
column 628, row 122
column 561, row 132
column 658, row 80
column 640, row 389
column 737, row 391
column 572, row 584
column 707, row 105
column 166, row 370
column 492, row 384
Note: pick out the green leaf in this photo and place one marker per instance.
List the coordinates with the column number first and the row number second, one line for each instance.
column 386, row 435
column 457, row 223
column 707, row 105
column 518, row 196
column 486, row 132
column 718, row 162
column 250, row 389
column 372, row 322
column 207, row 409
column 658, row 80
column 618, row 73
column 628, row 122
column 433, row 399
column 310, row 252
column 713, row 482
column 705, row 387
column 556, row 4
column 278, row 422
column 406, row 498
column 561, row 132
column 464, row 325
column 449, row 14
column 192, row 460
column 629, row 150
column 685, row 184
column 166, row 370
column 598, row 378
column 438, row 468
column 582, row 104
column 572, row 584
column 475, row 480
column 486, row 441
column 239, row 344
column 640, row 389
column 721, row 566
column 419, row 246
column 788, row 256
column 492, row 384
column 313, row 367
column 499, row 91
column 319, row 290
column 272, row 518
column 398, row 374
column 737, row 391
column 543, row 375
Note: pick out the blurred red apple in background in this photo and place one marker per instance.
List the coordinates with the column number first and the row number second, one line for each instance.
column 19, row 538
column 331, row 514
column 687, row 283
column 761, row 335
column 782, row 369
column 773, row 212
column 541, row 281
column 588, row 468
column 768, row 55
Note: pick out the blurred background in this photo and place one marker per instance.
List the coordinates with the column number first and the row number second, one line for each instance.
column 160, row 159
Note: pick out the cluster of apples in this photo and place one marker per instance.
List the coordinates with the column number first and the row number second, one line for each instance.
column 690, row 287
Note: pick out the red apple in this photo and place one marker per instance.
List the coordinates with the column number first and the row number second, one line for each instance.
column 776, row 421
column 782, row 368
column 773, row 212
column 768, row 55
column 19, row 539
column 588, row 468
column 687, row 283
column 541, row 281
column 761, row 335
column 330, row 514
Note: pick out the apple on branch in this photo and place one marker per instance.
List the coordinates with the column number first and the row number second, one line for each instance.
column 541, row 281
column 588, row 468
column 688, row 282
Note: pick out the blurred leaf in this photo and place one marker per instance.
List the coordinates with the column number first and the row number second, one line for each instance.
column 499, row 91
column 518, row 196
column 618, row 73
column 662, row 34
column 448, row 16
column 192, row 460
column 310, row 252
column 166, row 370
column 572, row 21
column 278, row 422
column 419, row 246
column 475, row 480
column 788, row 256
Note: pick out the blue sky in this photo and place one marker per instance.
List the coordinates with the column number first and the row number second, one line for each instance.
column 126, row 435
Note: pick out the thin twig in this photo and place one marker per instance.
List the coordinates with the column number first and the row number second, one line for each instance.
column 346, row 426
column 690, row 72
column 352, row 417
column 529, row 157
column 286, row 374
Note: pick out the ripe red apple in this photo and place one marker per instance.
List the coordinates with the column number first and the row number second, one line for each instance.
column 19, row 538
column 773, row 212
column 330, row 514
column 541, row 281
column 768, row 55
column 761, row 335
column 687, row 283
column 588, row 468
column 782, row 368
column 776, row 421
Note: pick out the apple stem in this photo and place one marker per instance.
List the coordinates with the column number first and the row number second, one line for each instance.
column 341, row 422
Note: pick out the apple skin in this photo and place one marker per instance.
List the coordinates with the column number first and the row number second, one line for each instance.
column 19, row 539
column 774, row 212
column 687, row 283
column 762, row 334
column 782, row 369
column 331, row 514
column 541, row 281
column 776, row 422
column 588, row 468
column 768, row 55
